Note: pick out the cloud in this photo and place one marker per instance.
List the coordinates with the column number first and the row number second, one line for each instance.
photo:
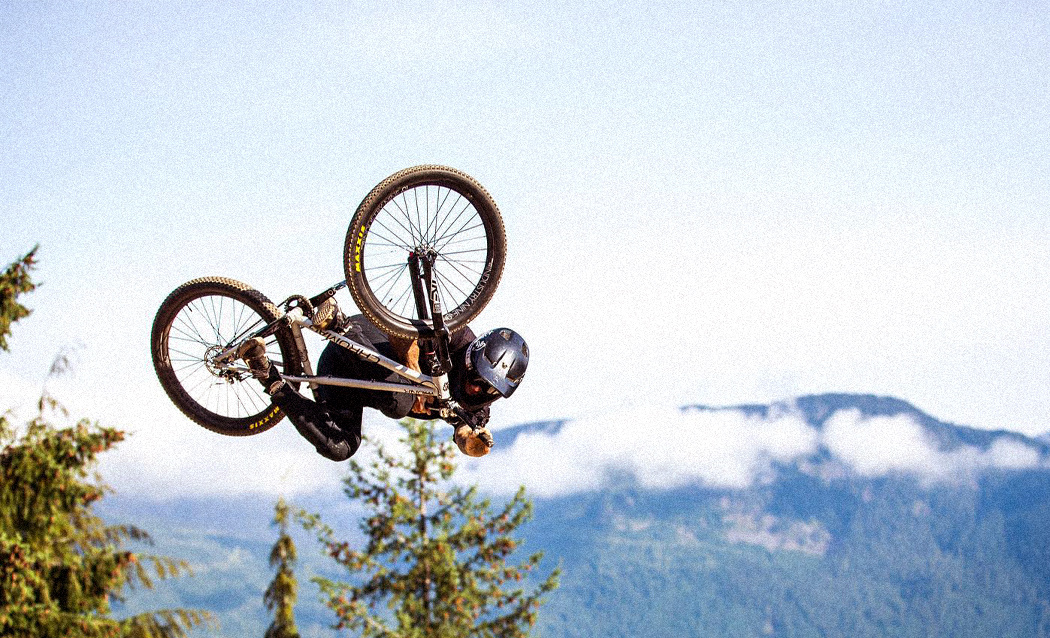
column 878, row 446
column 659, row 448
column 663, row 448
column 176, row 458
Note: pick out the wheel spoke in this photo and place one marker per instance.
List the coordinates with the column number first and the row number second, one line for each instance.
column 404, row 211
column 442, row 231
column 458, row 269
column 192, row 326
column 200, row 330
column 446, row 284
column 436, row 213
column 393, row 236
column 462, row 229
column 385, row 283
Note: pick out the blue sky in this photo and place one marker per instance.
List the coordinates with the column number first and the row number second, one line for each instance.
column 705, row 202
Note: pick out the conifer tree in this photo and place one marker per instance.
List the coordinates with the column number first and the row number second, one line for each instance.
column 60, row 564
column 435, row 558
column 14, row 281
column 280, row 596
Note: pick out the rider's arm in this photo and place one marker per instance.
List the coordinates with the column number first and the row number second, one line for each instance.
column 423, row 403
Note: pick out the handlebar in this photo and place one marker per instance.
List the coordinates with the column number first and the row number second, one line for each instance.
column 476, row 420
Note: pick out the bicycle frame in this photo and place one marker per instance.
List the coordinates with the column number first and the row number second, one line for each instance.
column 420, row 384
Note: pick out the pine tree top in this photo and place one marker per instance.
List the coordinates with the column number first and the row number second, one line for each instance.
column 436, row 553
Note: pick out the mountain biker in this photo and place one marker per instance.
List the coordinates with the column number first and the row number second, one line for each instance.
column 483, row 369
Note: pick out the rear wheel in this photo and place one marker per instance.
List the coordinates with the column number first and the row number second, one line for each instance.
column 201, row 319
column 426, row 210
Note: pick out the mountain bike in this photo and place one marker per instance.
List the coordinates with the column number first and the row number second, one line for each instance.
column 423, row 255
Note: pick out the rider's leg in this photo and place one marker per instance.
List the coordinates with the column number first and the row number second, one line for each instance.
column 335, row 434
column 253, row 352
column 337, row 362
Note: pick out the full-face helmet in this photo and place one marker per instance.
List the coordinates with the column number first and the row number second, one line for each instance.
column 498, row 359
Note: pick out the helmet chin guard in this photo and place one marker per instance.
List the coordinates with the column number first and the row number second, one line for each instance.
column 499, row 358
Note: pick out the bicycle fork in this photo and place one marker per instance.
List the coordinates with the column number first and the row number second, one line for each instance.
column 428, row 306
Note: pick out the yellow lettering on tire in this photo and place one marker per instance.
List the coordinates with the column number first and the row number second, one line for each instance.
column 266, row 419
column 359, row 247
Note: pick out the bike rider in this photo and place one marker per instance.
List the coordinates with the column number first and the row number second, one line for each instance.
column 484, row 369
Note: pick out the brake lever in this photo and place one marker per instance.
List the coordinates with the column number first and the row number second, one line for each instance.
column 454, row 415
column 476, row 420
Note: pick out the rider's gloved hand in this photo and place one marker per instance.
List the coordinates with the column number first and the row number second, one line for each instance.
column 479, row 417
column 472, row 442
column 471, row 436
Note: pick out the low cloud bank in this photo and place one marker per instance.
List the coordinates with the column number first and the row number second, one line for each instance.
column 878, row 446
column 658, row 448
column 663, row 448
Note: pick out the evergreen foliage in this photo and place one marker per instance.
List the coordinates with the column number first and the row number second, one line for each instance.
column 435, row 559
column 60, row 564
column 14, row 281
column 280, row 596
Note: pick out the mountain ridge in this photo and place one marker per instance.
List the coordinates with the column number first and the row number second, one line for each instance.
column 816, row 409
column 797, row 553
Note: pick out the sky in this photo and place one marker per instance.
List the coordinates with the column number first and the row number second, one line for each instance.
column 705, row 203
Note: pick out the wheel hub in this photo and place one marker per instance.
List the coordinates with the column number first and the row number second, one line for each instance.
column 218, row 368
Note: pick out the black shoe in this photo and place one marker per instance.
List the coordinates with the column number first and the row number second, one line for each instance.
column 253, row 351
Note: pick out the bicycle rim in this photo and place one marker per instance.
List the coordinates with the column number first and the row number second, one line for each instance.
column 426, row 218
column 203, row 327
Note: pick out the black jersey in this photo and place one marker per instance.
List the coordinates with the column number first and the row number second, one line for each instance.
column 339, row 362
column 333, row 423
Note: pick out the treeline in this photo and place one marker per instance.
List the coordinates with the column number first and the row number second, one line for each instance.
column 61, row 566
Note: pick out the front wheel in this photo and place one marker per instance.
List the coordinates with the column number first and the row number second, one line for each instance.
column 201, row 319
column 431, row 211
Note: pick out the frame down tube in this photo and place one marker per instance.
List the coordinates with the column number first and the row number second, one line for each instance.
column 422, row 384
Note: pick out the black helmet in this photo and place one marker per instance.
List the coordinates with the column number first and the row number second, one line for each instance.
column 499, row 358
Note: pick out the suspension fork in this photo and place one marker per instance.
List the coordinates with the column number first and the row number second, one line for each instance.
column 428, row 306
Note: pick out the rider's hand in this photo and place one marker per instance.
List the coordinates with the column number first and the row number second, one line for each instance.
column 480, row 417
column 423, row 408
column 485, row 438
column 473, row 442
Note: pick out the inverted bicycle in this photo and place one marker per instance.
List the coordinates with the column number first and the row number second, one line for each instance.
column 423, row 255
